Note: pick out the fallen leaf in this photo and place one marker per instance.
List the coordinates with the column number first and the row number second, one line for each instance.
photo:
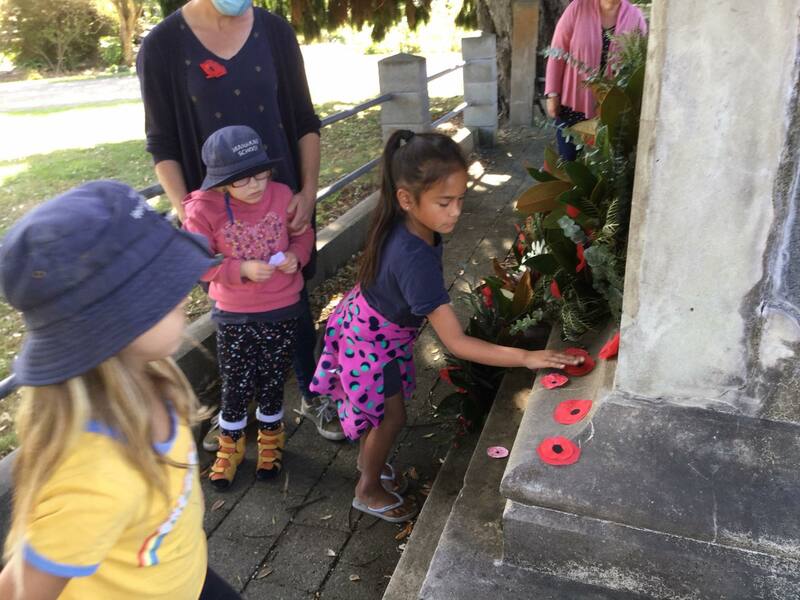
column 429, row 435
column 405, row 531
column 263, row 573
column 441, row 460
column 425, row 489
column 326, row 517
column 412, row 473
column 217, row 505
column 330, row 552
column 297, row 420
column 355, row 578
column 401, row 547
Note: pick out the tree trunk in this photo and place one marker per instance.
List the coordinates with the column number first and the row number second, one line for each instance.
column 496, row 16
column 128, row 12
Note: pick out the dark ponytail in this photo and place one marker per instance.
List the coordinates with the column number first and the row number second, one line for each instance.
column 414, row 161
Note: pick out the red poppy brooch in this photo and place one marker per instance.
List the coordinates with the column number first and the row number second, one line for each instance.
column 213, row 69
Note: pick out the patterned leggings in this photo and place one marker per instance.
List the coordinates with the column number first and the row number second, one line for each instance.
column 253, row 360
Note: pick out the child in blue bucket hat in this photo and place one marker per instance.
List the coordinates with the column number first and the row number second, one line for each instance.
column 107, row 500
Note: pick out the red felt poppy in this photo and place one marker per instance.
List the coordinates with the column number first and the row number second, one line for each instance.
column 582, row 369
column 571, row 411
column 444, row 375
column 554, row 380
column 213, row 69
column 581, row 259
column 572, row 211
column 554, row 290
column 558, row 451
column 611, row 348
column 488, row 299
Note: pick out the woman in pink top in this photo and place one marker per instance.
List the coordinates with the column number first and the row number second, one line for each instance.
column 584, row 31
column 256, row 288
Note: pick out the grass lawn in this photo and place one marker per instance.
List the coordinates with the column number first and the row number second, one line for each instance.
column 26, row 182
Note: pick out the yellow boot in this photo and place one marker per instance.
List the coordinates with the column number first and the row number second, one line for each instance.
column 270, row 452
column 229, row 456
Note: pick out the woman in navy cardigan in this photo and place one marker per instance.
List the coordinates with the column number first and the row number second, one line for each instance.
column 215, row 63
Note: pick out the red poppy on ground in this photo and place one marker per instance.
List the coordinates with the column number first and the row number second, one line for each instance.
column 461, row 390
column 213, row 69
column 571, row 411
column 554, row 380
column 572, row 211
column 581, row 259
column 554, row 290
column 582, row 369
column 558, row 451
column 611, row 348
column 488, row 299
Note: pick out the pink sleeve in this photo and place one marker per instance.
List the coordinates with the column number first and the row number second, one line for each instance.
column 562, row 37
column 229, row 270
column 301, row 246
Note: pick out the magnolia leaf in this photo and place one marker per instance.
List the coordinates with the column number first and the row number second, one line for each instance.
column 587, row 129
column 611, row 108
column 581, row 176
column 218, row 504
column 635, row 89
column 543, row 263
column 539, row 174
column 522, row 295
column 551, row 220
column 542, row 197
column 562, row 248
column 355, row 578
column 264, row 572
column 551, row 161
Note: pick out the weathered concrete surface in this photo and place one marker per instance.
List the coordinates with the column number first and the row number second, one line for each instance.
column 707, row 205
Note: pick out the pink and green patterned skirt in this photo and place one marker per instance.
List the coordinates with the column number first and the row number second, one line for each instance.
column 359, row 343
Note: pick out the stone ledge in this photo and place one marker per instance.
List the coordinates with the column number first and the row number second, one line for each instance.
column 641, row 561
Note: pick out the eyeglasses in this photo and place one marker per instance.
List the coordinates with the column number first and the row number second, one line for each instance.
column 243, row 182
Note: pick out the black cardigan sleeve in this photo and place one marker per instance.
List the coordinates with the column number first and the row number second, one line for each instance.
column 155, row 81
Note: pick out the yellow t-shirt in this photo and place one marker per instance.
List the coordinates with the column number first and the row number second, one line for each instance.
column 95, row 522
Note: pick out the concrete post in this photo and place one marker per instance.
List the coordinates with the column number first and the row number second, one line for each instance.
column 524, row 39
column 480, row 86
column 406, row 77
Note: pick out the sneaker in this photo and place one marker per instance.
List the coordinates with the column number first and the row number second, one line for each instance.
column 322, row 411
column 211, row 439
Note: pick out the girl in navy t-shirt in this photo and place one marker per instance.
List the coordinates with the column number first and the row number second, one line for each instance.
column 367, row 364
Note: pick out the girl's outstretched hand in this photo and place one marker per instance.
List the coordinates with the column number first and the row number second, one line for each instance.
column 550, row 359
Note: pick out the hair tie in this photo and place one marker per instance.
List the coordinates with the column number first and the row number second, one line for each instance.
column 405, row 136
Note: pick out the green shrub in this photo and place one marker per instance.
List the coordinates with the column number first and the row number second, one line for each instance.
column 110, row 50
column 53, row 35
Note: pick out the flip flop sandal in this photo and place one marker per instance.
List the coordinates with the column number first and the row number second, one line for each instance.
column 380, row 513
column 402, row 483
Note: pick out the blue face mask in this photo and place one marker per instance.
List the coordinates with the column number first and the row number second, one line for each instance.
column 232, row 8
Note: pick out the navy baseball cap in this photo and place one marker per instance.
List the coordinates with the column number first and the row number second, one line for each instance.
column 233, row 153
column 91, row 270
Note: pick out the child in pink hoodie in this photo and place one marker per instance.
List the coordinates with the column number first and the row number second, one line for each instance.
column 256, row 290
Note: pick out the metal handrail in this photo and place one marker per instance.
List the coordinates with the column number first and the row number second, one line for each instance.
column 445, row 118
column 350, row 177
column 344, row 114
column 446, row 71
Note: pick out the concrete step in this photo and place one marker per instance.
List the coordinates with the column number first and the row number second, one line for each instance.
column 468, row 560
column 666, row 501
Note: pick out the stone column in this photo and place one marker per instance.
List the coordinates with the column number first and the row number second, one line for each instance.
column 405, row 76
column 480, row 86
column 524, row 39
column 711, row 296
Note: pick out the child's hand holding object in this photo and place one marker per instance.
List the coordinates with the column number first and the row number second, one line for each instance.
column 289, row 265
column 256, row 270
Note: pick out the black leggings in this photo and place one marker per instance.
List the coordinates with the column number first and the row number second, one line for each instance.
column 216, row 588
column 253, row 360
